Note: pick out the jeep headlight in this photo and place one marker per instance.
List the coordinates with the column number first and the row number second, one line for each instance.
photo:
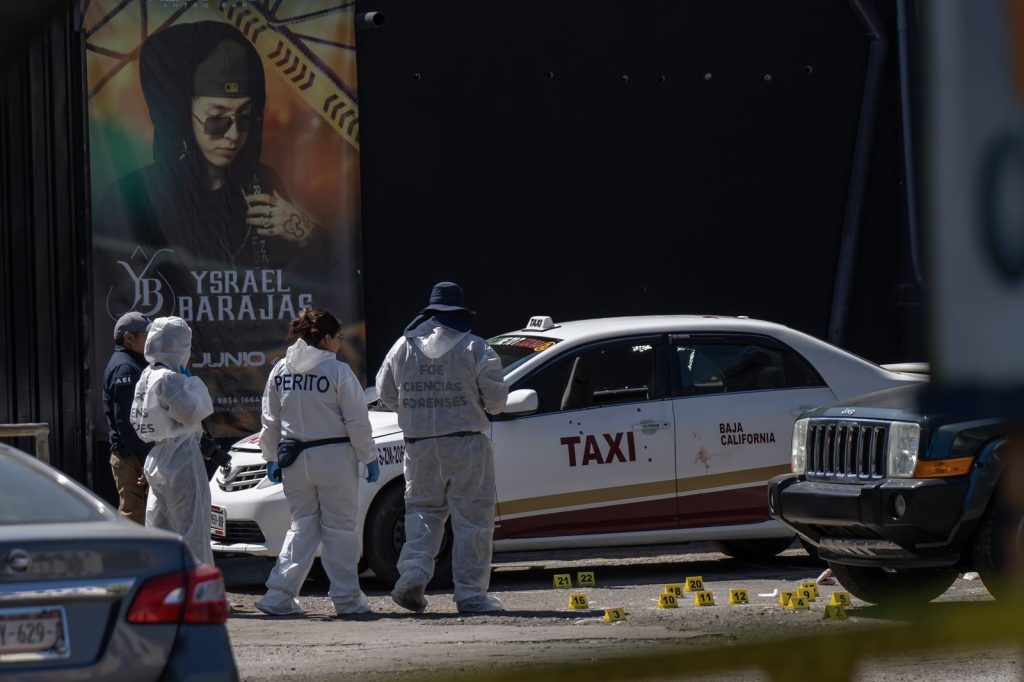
column 798, row 459
column 904, row 439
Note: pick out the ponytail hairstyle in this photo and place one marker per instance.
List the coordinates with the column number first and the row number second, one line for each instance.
column 312, row 325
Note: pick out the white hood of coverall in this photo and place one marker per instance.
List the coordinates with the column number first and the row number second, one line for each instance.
column 434, row 340
column 169, row 342
column 302, row 357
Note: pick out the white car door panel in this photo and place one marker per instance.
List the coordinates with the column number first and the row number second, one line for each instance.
column 734, row 424
column 600, row 458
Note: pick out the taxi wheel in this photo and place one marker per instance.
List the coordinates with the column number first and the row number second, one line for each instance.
column 753, row 550
column 384, row 534
column 999, row 551
column 906, row 587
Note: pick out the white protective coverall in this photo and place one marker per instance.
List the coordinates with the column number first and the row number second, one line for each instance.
column 311, row 395
column 168, row 411
column 441, row 381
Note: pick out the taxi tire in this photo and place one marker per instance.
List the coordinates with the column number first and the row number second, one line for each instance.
column 997, row 550
column 380, row 539
column 763, row 549
column 911, row 587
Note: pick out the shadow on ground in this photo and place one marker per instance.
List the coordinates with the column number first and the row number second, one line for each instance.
column 534, row 570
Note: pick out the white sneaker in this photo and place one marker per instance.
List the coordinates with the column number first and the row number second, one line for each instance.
column 484, row 604
column 410, row 598
column 272, row 609
column 352, row 610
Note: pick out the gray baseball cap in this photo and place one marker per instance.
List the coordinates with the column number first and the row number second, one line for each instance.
column 130, row 322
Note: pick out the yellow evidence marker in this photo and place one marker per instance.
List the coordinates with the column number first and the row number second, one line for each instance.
column 563, row 581
column 840, row 599
column 578, row 601
column 835, row 612
column 667, row 600
column 585, row 579
column 798, row 602
column 784, row 597
column 704, row 598
column 614, row 614
column 807, row 593
column 812, row 586
column 674, row 588
column 739, row 596
column 695, row 584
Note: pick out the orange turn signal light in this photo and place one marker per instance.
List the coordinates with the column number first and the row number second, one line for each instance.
column 943, row 467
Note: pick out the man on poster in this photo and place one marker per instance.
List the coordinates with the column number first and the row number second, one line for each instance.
column 221, row 243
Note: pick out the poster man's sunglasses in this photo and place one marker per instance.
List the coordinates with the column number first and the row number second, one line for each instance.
column 220, row 125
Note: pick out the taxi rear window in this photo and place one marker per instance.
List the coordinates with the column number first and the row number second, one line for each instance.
column 515, row 350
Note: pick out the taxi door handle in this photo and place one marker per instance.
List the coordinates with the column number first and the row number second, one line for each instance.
column 651, row 426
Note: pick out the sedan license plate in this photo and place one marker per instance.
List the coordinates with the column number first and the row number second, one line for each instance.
column 218, row 521
column 30, row 634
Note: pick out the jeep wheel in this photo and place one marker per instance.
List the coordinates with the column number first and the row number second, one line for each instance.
column 911, row 587
column 384, row 534
column 999, row 550
column 753, row 550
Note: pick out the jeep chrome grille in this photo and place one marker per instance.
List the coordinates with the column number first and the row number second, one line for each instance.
column 242, row 477
column 846, row 450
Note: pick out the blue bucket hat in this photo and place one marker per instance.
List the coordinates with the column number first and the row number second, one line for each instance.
column 447, row 306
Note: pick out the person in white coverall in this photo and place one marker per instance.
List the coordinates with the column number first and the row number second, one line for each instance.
column 316, row 430
column 443, row 381
column 168, row 411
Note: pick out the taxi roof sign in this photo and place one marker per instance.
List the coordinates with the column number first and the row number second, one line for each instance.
column 540, row 323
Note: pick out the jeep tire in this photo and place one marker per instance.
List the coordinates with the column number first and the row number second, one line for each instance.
column 384, row 533
column 999, row 550
column 908, row 587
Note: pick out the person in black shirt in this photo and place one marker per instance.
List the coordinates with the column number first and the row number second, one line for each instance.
column 127, row 451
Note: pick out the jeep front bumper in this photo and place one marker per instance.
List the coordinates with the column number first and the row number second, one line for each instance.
column 887, row 523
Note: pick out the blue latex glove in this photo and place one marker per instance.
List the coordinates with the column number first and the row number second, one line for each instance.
column 274, row 472
column 184, row 371
column 372, row 471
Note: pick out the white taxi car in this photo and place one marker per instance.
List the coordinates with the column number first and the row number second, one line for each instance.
column 618, row 431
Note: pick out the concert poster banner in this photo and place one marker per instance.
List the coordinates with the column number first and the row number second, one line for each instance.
column 224, row 175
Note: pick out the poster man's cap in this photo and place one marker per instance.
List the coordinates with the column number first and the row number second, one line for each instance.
column 134, row 322
column 224, row 73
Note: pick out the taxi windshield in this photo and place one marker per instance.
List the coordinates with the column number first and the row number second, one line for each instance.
column 514, row 350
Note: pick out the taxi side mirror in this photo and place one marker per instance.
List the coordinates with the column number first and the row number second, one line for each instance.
column 520, row 402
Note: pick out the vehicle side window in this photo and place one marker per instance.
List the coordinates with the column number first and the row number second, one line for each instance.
column 550, row 383
column 708, row 368
column 621, row 372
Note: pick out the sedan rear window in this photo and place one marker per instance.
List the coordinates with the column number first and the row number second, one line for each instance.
column 515, row 350
column 28, row 495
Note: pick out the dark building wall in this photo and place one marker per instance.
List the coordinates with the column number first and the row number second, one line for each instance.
column 523, row 164
column 593, row 158
column 44, row 243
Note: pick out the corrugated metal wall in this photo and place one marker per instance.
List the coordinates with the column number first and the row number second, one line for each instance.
column 44, row 244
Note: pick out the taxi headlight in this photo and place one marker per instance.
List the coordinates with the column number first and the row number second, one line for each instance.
column 904, row 440
column 798, row 460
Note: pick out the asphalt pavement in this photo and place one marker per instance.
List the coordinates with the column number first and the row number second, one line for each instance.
column 540, row 628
